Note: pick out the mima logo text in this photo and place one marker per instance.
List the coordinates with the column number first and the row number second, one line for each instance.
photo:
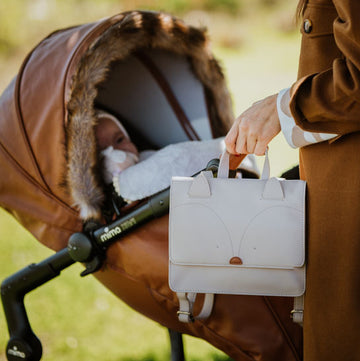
column 110, row 234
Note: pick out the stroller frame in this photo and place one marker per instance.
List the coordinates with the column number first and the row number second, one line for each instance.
column 88, row 247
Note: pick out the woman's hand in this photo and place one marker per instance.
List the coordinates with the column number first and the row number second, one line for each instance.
column 253, row 130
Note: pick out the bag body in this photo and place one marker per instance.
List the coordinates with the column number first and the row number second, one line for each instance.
column 237, row 236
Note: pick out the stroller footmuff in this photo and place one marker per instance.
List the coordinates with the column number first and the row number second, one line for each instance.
column 158, row 75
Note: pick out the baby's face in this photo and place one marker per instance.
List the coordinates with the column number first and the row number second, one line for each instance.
column 109, row 134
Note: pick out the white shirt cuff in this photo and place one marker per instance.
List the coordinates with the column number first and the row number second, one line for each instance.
column 294, row 135
column 287, row 123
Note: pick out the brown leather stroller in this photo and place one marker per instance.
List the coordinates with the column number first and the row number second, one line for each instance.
column 160, row 75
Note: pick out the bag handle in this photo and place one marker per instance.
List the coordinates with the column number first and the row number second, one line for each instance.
column 272, row 188
column 200, row 186
column 223, row 171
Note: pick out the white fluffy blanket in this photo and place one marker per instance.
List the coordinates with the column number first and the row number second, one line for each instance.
column 154, row 171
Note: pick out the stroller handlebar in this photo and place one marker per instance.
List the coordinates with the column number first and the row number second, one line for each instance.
column 23, row 343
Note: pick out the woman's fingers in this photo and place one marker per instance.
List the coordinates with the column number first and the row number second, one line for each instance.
column 260, row 148
column 254, row 128
column 251, row 143
column 241, row 147
column 231, row 138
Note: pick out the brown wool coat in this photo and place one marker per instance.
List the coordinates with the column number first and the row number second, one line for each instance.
column 326, row 98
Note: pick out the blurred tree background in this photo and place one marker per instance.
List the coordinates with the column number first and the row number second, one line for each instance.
column 23, row 23
column 257, row 44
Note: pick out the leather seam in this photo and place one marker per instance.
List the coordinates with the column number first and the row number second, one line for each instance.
column 21, row 120
column 282, row 328
column 34, row 182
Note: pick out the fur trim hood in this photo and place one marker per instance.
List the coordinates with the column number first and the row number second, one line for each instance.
column 48, row 151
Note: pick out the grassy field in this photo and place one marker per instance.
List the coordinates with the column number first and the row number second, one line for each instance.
column 78, row 319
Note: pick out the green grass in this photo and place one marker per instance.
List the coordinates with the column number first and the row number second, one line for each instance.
column 77, row 318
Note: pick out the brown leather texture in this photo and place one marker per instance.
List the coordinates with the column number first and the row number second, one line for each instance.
column 235, row 160
column 35, row 117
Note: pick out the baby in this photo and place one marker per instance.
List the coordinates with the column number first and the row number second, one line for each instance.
column 115, row 145
column 149, row 172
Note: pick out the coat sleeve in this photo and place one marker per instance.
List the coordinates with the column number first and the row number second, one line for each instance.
column 329, row 101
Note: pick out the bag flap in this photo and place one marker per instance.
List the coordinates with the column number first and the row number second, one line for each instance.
column 235, row 226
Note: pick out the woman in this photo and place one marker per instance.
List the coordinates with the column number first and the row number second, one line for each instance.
column 320, row 113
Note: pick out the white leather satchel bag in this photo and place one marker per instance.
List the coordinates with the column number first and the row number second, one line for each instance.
column 236, row 236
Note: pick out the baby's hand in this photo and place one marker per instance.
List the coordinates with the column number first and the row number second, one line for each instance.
column 116, row 161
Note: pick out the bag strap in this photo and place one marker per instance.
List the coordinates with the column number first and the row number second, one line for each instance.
column 223, row 171
column 266, row 168
column 186, row 305
column 169, row 95
column 297, row 314
column 187, row 300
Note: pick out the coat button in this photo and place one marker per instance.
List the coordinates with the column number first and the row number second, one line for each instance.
column 307, row 26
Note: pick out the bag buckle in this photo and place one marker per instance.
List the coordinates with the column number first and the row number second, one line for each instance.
column 295, row 311
column 188, row 314
column 297, row 316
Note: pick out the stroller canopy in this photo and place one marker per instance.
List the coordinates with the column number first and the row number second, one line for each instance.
column 148, row 68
